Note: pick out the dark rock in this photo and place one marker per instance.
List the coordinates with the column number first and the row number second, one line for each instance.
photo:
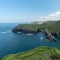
column 55, row 33
column 49, row 36
column 23, row 30
column 55, row 57
column 38, row 30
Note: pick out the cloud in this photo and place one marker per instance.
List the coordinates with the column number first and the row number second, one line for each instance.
column 55, row 16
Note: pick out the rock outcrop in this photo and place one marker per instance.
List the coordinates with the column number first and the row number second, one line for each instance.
column 49, row 36
column 50, row 28
column 55, row 33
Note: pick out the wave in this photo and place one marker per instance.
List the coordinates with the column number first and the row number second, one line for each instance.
column 41, row 38
column 29, row 34
column 18, row 32
column 5, row 32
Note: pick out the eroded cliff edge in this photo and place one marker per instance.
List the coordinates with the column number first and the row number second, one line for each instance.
column 50, row 28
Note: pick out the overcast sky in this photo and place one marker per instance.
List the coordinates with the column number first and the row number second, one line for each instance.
column 29, row 10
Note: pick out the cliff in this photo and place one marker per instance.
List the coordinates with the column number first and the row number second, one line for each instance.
column 39, row 53
column 50, row 28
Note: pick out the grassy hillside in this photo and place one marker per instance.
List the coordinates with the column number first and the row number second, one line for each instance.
column 39, row 53
column 33, row 27
column 52, row 26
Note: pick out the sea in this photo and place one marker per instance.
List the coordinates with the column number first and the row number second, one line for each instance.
column 11, row 43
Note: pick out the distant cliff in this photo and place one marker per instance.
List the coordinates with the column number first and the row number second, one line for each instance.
column 50, row 28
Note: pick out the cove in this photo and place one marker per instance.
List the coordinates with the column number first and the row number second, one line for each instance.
column 16, row 42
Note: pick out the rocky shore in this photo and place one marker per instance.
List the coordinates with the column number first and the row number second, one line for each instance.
column 49, row 36
column 50, row 29
column 23, row 30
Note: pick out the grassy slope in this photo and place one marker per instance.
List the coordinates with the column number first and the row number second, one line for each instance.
column 40, row 53
column 33, row 27
column 52, row 26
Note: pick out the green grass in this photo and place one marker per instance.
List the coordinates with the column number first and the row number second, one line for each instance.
column 33, row 27
column 51, row 26
column 39, row 53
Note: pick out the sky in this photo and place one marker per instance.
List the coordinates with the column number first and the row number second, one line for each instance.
column 22, row 11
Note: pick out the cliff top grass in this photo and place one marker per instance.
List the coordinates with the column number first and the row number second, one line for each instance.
column 39, row 53
column 33, row 27
column 51, row 26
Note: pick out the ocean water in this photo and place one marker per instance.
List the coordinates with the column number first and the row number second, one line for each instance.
column 11, row 43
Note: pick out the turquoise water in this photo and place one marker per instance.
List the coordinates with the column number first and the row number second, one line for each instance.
column 15, row 42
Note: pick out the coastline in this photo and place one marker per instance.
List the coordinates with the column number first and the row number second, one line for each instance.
column 37, row 53
column 49, row 28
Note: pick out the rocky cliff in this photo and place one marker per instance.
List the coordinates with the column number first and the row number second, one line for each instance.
column 50, row 28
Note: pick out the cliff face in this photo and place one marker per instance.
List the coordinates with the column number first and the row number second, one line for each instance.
column 23, row 30
column 39, row 53
column 50, row 28
column 27, row 28
column 53, row 27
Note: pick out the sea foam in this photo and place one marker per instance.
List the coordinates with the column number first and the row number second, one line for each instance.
column 5, row 32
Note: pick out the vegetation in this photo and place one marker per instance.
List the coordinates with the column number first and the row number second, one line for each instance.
column 39, row 53
column 32, row 27
column 51, row 26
